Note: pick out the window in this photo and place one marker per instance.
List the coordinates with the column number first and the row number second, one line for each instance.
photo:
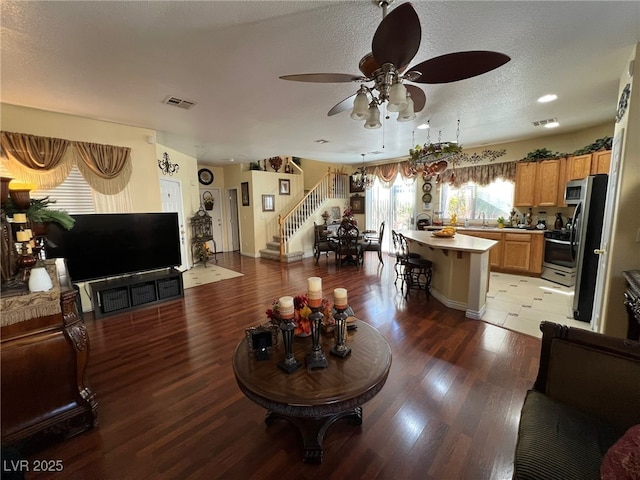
column 73, row 195
column 470, row 200
column 393, row 205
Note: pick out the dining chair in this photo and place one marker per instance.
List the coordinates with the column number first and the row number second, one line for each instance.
column 321, row 243
column 375, row 244
column 349, row 246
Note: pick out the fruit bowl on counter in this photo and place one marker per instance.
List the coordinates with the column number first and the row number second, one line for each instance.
column 446, row 232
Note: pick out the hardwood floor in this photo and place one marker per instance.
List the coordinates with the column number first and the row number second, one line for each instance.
column 169, row 406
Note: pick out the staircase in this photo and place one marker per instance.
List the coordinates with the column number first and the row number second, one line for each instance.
column 272, row 252
column 332, row 185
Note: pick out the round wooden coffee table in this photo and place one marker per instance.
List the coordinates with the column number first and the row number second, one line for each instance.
column 314, row 400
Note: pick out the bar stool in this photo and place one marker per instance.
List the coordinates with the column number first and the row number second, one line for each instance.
column 417, row 271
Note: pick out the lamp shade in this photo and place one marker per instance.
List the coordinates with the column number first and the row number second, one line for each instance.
column 407, row 114
column 360, row 107
column 397, row 98
column 373, row 118
column 39, row 280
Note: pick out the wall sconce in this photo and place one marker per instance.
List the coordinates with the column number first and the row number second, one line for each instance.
column 166, row 166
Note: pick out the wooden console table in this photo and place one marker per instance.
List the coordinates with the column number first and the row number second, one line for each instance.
column 44, row 358
column 313, row 401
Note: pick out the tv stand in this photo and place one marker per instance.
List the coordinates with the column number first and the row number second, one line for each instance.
column 110, row 297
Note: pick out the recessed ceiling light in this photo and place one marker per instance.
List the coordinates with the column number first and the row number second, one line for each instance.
column 423, row 126
column 551, row 125
column 321, row 140
column 232, row 159
column 548, row 98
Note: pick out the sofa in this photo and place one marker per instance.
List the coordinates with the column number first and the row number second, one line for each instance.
column 581, row 419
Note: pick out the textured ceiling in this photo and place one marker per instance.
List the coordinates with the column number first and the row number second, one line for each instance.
column 118, row 61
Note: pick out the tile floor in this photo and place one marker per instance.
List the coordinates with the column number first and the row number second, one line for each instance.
column 520, row 303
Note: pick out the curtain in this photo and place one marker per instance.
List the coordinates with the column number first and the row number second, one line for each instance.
column 33, row 159
column 47, row 161
column 117, row 203
column 107, row 168
column 480, row 174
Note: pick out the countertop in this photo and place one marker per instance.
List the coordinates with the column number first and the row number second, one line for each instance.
column 463, row 243
column 489, row 229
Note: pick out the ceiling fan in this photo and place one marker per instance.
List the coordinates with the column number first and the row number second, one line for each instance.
column 395, row 43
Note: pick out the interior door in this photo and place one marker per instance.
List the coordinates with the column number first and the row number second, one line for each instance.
column 216, row 215
column 171, row 197
column 607, row 227
column 234, row 225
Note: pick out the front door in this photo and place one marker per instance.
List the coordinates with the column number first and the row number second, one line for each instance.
column 171, row 198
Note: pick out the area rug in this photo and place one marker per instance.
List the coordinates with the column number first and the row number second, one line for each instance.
column 200, row 275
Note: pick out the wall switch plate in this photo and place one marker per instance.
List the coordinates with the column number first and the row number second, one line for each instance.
column 638, row 235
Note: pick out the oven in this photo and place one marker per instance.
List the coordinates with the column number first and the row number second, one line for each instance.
column 559, row 263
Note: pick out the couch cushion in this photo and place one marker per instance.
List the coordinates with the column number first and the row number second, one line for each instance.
column 556, row 442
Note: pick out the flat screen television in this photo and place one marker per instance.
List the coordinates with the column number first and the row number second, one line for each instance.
column 112, row 244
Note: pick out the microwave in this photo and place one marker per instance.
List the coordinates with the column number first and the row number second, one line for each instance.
column 575, row 191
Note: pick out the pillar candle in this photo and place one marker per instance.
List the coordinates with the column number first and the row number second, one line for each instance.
column 340, row 297
column 19, row 218
column 314, row 291
column 285, row 307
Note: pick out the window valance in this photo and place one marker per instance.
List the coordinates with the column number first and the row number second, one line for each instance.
column 480, row 174
column 47, row 161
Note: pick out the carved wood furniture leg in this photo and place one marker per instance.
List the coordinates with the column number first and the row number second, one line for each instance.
column 312, row 429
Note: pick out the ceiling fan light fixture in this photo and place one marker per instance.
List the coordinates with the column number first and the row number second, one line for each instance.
column 360, row 107
column 373, row 117
column 407, row 114
column 397, row 98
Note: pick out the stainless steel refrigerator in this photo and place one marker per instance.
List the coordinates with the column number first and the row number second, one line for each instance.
column 589, row 196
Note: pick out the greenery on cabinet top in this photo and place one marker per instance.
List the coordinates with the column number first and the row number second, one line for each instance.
column 539, row 154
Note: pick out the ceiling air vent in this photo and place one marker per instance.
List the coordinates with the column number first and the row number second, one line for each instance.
column 179, row 102
column 541, row 123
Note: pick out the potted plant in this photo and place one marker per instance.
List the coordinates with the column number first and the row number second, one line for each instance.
column 40, row 214
column 500, row 222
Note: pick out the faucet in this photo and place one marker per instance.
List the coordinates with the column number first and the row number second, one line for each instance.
column 484, row 219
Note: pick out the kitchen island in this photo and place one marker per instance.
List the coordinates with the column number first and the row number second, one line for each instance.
column 460, row 268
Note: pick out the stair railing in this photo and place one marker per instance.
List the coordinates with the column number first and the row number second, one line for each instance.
column 331, row 185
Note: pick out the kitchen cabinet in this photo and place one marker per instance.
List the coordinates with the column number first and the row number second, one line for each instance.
column 525, row 188
column 516, row 251
column 523, row 251
column 600, row 162
column 495, row 254
column 578, row 167
column 547, row 183
column 538, row 183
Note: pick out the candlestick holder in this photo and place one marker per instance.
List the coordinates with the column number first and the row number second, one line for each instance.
column 340, row 349
column 289, row 364
column 316, row 358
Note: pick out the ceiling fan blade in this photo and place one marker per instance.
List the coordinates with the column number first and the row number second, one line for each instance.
column 418, row 97
column 458, row 66
column 397, row 38
column 323, row 77
column 345, row 104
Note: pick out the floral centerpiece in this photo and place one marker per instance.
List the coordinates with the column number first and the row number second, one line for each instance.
column 301, row 315
column 348, row 218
